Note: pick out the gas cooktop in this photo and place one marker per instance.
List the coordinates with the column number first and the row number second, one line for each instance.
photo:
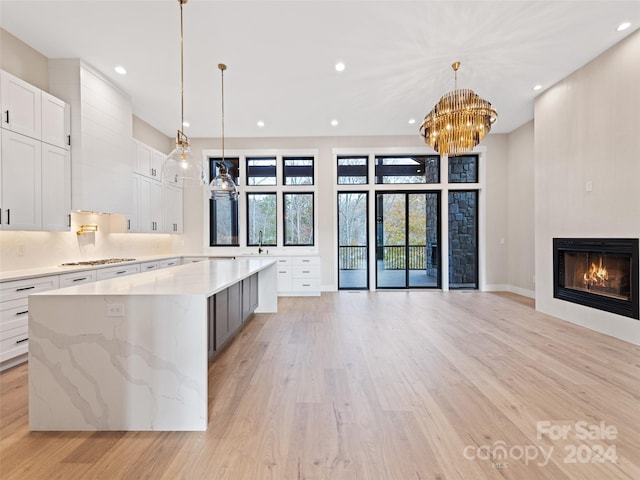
column 103, row 261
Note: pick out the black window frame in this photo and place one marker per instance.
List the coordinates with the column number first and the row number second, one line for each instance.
column 269, row 171
column 284, row 219
column 248, row 239
column 382, row 170
column 309, row 170
column 354, row 168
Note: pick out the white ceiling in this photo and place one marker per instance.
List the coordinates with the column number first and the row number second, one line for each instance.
column 281, row 57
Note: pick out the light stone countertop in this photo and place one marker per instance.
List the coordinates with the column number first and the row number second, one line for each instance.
column 199, row 278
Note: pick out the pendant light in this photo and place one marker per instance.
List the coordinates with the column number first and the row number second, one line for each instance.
column 180, row 166
column 459, row 121
column 222, row 186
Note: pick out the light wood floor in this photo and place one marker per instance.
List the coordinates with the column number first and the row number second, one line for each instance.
column 387, row 385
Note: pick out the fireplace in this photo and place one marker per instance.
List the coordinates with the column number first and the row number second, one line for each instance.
column 600, row 273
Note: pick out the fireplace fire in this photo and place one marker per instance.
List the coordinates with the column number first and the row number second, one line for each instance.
column 598, row 273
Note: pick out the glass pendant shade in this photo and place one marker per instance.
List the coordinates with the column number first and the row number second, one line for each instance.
column 222, row 185
column 181, row 167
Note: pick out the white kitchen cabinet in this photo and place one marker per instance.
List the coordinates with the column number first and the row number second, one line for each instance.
column 132, row 218
column 169, row 262
column 172, row 208
column 298, row 275
column 101, row 146
column 118, row 271
column 146, row 266
column 77, row 278
column 56, row 121
column 21, row 106
column 14, row 315
column 148, row 161
column 21, row 177
column 56, row 188
column 149, row 205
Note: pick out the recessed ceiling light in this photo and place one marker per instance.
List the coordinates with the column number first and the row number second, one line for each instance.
column 185, row 124
column 624, row 26
column 537, row 87
column 260, row 123
column 412, row 121
column 334, row 123
column 340, row 67
column 121, row 70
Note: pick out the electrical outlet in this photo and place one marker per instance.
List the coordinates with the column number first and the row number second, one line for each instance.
column 115, row 310
column 20, row 249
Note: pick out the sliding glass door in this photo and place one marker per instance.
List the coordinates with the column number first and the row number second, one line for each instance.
column 407, row 229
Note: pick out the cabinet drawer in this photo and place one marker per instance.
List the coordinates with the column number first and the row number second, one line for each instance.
column 16, row 315
column 146, row 266
column 14, row 342
column 169, row 262
column 23, row 288
column 75, row 278
column 306, row 271
column 315, row 260
column 112, row 272
column 305, row 284
column 284, row 279
column 283, row 261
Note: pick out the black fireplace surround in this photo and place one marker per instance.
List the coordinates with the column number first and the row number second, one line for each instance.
column 600, row 273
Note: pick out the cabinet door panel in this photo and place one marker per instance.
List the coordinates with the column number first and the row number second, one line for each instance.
column 56, row 123
column 56, row 188
column 235, row 306
column 222, row 319
column 21, row 182
column 20, row 106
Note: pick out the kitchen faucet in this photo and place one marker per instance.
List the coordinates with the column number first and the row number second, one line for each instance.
column 259, row 242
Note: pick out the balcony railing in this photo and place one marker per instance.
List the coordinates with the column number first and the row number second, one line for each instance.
column 395, row 257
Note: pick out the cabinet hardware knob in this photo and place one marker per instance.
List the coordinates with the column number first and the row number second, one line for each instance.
column 8, row 216
column 7, row 116
column 79, row 279
column 22, row 313
column 121, row 272
column 25, row 288
column 69, row 140
column 23, row 340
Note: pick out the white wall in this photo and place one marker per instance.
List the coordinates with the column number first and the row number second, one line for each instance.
column 520, row 211
column 587, row 128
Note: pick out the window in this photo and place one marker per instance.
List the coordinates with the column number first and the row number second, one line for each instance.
column 261, row 170
column 261, row 217
column 224, row 222
column 352, row 171
column 223, row 213
column 408, row 169
column 298, row 219
column 463, row 169
column 298, row 170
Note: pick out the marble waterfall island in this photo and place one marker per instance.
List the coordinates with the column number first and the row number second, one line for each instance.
column 131, row 353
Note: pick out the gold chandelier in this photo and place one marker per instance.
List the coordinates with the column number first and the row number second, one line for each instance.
column 458, row 122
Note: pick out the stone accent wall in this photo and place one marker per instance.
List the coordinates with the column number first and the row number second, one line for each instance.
column 463, row 238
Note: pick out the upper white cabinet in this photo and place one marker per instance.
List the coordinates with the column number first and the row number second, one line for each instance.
column 148, row 161
column 56, row 121
column 101, row 146
column 21, row 194
column 56, row 188
column 21, row 111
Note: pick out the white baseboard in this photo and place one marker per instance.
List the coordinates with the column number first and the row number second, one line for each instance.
column 510, row 288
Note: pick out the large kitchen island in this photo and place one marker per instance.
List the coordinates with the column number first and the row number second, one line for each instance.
column 132, row 353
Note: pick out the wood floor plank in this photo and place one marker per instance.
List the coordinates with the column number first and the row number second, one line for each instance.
column 374, row 386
